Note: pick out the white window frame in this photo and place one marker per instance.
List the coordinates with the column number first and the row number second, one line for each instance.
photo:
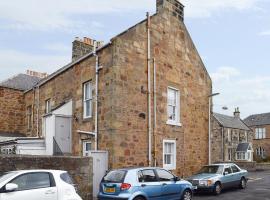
column 86, row 153
column 229, row 135
column 260, row 133
column 171, row 166
column 85, row 100
column 48, row 107
column 230, row 154
column 175, row 122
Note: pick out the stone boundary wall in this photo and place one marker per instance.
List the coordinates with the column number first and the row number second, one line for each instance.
column 263, row 166
column 249, row 166
column 81, row 169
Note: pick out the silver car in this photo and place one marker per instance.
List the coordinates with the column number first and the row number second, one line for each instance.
column 214, row 178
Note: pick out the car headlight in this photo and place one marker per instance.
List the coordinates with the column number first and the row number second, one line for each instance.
column 206, row 182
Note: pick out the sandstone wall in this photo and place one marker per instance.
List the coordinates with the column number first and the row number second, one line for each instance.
column 12, row 111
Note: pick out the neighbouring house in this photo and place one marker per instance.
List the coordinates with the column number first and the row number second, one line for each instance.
column 260, row 124
column 231, row 139
column 143, row 97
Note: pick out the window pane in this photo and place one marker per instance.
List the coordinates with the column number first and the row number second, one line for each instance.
column 171, row 112
column 164, row 175
column 88, row 147
column 87, row 91
column 88, row 108
column 32, row 181
column 149, row 176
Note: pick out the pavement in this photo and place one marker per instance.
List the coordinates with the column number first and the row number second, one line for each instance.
column 258, row 188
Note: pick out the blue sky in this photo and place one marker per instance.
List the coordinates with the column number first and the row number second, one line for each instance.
column 232, row 36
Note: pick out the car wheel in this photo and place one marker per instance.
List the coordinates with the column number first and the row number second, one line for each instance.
column 217, row 189
column 139, row 198
column 243, row 183
column 187, row 195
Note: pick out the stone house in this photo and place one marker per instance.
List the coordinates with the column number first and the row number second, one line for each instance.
column 260, row 124
column 143, row 97
column 231, row 139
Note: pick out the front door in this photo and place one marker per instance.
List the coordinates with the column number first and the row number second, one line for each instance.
column 63, row 133
column 32, row 186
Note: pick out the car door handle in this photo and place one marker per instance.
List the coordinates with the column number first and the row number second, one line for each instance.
column 49, row 192
column 143, row 185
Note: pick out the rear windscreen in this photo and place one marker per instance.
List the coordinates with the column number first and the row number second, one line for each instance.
column 115, row 176
column 66, row 178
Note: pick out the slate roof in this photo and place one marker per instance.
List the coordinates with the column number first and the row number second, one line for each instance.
column 231, row 122
column 20, row 82
column 243, row 147
column 257, row 120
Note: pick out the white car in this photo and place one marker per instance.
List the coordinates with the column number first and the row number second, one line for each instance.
column 37, row 185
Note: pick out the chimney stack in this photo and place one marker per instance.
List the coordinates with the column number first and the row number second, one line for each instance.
column 81, row 47
column 175, row 8
column 236, row 113
column 36, row 74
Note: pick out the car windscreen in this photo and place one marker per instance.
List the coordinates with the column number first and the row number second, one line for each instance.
column 211, row 170
column 6, row 176
column 116, row 176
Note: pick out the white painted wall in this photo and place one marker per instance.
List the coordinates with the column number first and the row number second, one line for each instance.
column 49, row 125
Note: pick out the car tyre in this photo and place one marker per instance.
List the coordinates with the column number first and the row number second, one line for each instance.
column 139, row 198
column 217, row 188
column 187, row 195
column 243, row 183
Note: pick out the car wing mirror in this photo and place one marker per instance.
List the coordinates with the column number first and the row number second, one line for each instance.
column 176, row 178
column 10, row 187
column 225, row 173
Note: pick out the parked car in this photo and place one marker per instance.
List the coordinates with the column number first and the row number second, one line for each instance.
column 143, row 184
column 37, row 185
column 216, row 177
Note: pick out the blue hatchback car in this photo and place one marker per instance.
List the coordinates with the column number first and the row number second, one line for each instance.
column 144, row 184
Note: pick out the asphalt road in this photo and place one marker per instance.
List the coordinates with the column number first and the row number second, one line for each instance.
column 258, row 188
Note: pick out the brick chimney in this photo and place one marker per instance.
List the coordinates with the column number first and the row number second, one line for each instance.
column 173, row 6
column 236, row 113
column 36, row 74
column 81, row 47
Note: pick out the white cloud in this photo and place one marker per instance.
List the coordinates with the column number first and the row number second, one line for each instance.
column 14, row 62
column 265, row 33
column 205, row 8
column 224, row 74
column 63, row 14
column 237, row 89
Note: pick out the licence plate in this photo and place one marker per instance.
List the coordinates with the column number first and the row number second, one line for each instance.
column 110, row 190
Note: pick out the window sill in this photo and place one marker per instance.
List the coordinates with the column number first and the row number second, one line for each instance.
column 172, row 123
column 169, row 167
column 87, row 119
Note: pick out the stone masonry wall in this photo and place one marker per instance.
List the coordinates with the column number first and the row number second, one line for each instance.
column 79, row 168
column 178, row 66
column 237, row 136
column 12, row 111
column 264, row 143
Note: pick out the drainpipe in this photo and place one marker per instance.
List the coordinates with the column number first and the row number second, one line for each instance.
column 222, row 145
column 38, row 96
column 155, row 114
column 96, row 89
column 149, row 92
